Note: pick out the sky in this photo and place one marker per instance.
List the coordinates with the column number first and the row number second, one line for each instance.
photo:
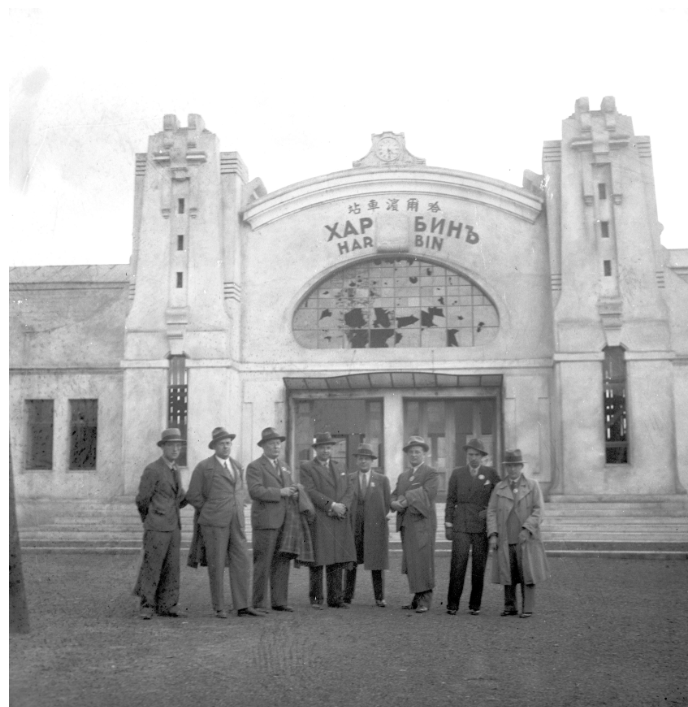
column 299, row 88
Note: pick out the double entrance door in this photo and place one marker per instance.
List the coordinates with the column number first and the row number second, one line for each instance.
column 388, row 420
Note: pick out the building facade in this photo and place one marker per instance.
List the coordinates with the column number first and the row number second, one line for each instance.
column 385, row 300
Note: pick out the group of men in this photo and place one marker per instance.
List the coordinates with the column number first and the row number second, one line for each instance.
column 331, row 521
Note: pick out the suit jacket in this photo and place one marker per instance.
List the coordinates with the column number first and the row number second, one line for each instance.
column 369, row 515
column 333, row 539
column 214, row 495
column 467, row 497
column 160, row 497
column 264, row 482
column 419, row 487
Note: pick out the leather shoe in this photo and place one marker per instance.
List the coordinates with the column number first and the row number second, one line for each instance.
column 526, row 614
column 381, row 603
column 409, row 607
column 474, row 612
column 452, row 612
column 261, row 609
column 248, row 611
column 146, row 613
column 173, row 612
column 509, row 612
column 220, row 614
column 316, row 605
column 282, row 608
column 422, row 609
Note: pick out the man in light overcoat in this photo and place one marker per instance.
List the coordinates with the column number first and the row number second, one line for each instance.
column 514, row 515
column 270, row 486
column 218, row 493
column 414, row 501
column 369, row 510
column 158, row 501
column 331, row 491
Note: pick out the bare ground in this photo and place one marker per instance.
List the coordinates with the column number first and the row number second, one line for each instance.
column 605, row 632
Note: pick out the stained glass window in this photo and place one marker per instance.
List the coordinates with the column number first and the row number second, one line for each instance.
column 395, row 303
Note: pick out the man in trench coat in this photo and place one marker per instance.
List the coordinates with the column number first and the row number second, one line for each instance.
column 217, row 491
column 514, row 515
column 331, row 491
column 468, row 494
column 159, row 499
column 414, row 501
column 369, row 510
column 270, row 486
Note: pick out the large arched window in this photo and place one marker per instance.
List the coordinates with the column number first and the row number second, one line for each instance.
column 397, row 302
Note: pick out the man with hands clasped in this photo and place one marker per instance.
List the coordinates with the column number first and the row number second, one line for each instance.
column 468, row 494
column 270, row 487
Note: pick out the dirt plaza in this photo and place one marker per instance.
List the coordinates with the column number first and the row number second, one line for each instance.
column 605, row 632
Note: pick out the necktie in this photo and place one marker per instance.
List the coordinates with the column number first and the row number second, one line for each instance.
column 229, row 471
column 364, row 484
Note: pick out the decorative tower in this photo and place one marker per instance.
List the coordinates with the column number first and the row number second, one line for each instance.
column 612, row 334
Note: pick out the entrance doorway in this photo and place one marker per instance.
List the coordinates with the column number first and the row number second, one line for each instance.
column 447, row 424
column 351, row 421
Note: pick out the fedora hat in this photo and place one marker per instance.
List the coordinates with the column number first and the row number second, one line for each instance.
column 170, row 435
column 268, row 434
column 220, row 433
column 365, row 450
column 323, row 438
column 512, row 456
column 416, row 441
column 477, row 445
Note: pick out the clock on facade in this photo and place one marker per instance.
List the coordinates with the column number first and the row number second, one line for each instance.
column 388, row 149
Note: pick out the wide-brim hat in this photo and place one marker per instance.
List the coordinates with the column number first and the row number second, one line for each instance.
column 477, row 445
column 170, row 435
column 323, row 439
column 268, row 434
column 512, row 456
column 365, row 450
column 416, row 441
column 220, row 433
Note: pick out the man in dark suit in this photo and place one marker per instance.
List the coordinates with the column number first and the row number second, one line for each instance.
column 159, row 499
column 414, row 501
column 330, row 488
column 468, row 494
column 270, row 486
column 217, row 492
column 369, row 510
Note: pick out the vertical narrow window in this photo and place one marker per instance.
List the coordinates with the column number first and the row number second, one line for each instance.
column 604, row 229
column 180, row 206
column 615, row 418
column 178, row 396
column 83, row 432
column 602, row 191
column 39, row 434
column 180, row 242
column 180, row 279
column 607, row 268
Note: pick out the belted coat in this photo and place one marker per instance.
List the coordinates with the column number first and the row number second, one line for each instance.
column 333, row 538
column 529, row 505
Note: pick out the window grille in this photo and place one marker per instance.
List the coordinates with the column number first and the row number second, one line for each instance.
column 83, row 434
column 178, row 400
column 397, row 302
column 39, row 437
column 615, row 413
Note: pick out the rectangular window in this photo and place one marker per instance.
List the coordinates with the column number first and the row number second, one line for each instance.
column 604, row 229
column 39, row 434
column 615, row 418
column 602, row 191
column 607, row 268
column 180, row 206
column 180, row 279
column 178, row 397
column 180, row 242
column 83, row 432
